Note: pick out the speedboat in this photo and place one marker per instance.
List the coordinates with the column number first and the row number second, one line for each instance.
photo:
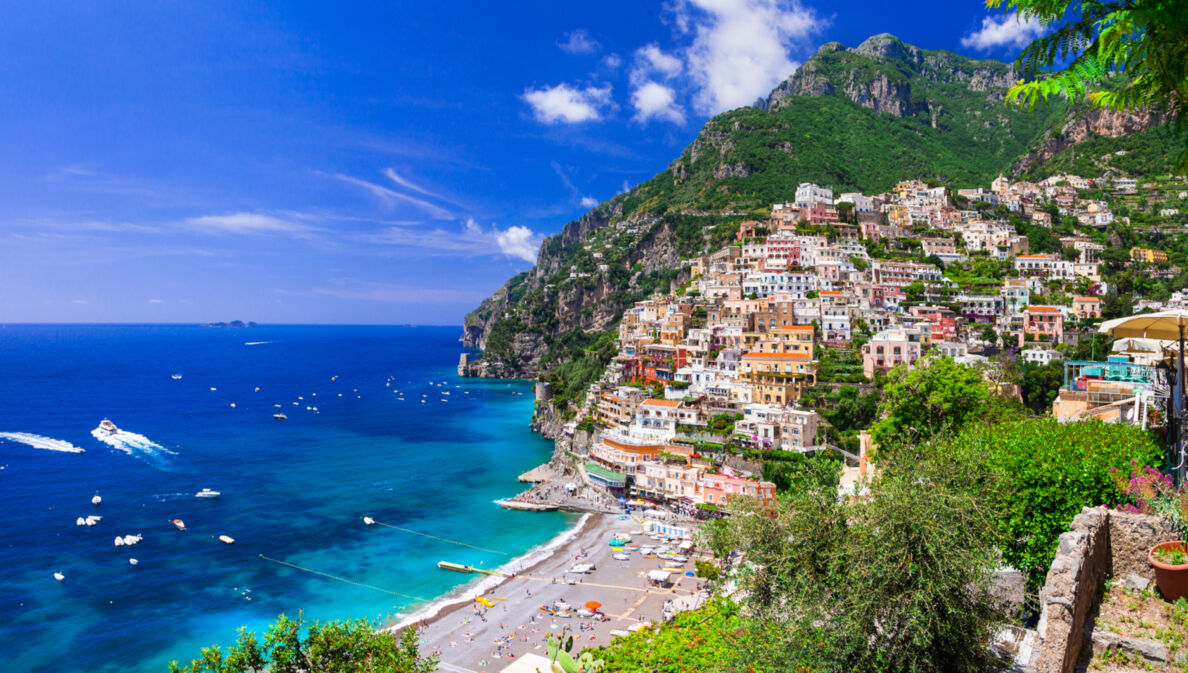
column 59, row 576
column 207, row 493
column 108, row 427
column 96, row 500
column 226, row 539
column 368, row 520
column 176, row 377
column 181, row 525
column 280, row 417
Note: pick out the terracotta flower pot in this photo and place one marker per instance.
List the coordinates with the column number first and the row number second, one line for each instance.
column 1172, row 580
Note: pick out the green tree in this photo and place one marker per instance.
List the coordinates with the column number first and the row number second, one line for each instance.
column 989, row 335
column 898, row 581
column 1041, row 384
column 291, row 646
column 1126, row 55
column 935, row 397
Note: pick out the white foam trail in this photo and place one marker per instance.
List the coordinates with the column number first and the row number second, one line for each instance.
column 465, row 593
column 39, row 442
column 129, row 442
column 256, row 343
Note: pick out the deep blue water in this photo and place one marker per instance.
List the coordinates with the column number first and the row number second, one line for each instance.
column 294, row 490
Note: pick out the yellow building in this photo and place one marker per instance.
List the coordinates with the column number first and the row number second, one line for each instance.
column 1148, row 255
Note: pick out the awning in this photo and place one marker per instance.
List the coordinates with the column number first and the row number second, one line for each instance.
column 658, row 575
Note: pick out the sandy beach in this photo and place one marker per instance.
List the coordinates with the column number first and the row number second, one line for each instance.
column 468, row 637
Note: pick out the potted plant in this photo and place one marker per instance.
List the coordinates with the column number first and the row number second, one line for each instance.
column 1154, row 493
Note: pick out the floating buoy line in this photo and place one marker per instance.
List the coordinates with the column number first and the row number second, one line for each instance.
column 442, row 539
column 342, row 579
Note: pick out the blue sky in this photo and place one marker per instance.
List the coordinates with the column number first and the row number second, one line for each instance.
column 363, row 162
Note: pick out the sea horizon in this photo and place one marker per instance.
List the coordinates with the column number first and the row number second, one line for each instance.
column 293, row 490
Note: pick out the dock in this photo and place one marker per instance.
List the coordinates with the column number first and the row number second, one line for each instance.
column 528, row 507
column 458, row 567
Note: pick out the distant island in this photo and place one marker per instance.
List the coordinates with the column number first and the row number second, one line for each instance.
column 232, row 324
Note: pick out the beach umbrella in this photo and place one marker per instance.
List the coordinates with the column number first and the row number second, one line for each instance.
column 1164, row 325
column 593, row 605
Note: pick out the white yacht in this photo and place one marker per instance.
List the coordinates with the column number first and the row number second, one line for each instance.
column 108, row 427
column 207, row 493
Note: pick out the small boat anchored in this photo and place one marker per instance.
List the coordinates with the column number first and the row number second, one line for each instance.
column 59, row 576
column 176, row 377
column 207, row 493
column 226, row 539
column 96, row 500
column 181, row 525
column 280, row 417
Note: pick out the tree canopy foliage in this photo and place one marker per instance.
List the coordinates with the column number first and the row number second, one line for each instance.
column 292, row 646
column 1128, row 55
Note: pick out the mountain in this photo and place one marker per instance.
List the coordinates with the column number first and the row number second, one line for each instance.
column 858, row 119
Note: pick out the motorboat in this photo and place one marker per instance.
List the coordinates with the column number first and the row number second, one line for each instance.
column 96, row 500
column 130, row 540
column 212, row 389
column 107, row 427
column 368, row 521
column 280, row 417
column 232, row 405
column 226, row 539
column 181, row 525
column 92, row 520
column 176, row 377
column 207, row 493
column 80, row 521
column 119, row 542
column 59, row 576
column 134, row 562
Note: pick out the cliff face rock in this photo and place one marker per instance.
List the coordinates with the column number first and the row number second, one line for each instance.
column 517, row 325
column 1081, row 127
column 885, row 75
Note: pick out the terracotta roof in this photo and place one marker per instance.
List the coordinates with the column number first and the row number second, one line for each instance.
column 795, row 328
column 1042, row 308
column 781, row 356
column 1086, row 298
column 662, row 403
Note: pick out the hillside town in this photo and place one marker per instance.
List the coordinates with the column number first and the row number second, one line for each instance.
column 836, row 290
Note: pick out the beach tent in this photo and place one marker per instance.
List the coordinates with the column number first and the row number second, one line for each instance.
column 593, row 605
column 658, row 576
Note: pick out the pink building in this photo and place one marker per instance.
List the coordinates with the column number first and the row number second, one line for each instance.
column 719, row 489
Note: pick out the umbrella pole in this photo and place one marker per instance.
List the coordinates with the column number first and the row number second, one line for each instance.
column 1179, row 453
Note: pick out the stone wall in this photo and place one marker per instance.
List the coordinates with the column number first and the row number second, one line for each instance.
column 1099, row 544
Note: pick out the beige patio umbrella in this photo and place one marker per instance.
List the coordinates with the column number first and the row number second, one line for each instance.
column 1164, row 325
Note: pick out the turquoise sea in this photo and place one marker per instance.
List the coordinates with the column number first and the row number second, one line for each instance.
column 293, row 490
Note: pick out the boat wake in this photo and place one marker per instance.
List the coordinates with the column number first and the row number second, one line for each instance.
column 133, row 444
column 256, row 343
column 39, row 442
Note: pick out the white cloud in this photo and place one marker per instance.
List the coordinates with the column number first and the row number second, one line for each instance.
column 247, row 223
column 391, row 196
column 650, row 58
column 394, row 177
column 612, row 61
column 740, row 48
column 650, row 98
column 518, row 241
column 579, row 42
column 589, row 202
column 563, row 103
column 472, row 241
column 1009, row 31
column 656, row 101
column 156, row 301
